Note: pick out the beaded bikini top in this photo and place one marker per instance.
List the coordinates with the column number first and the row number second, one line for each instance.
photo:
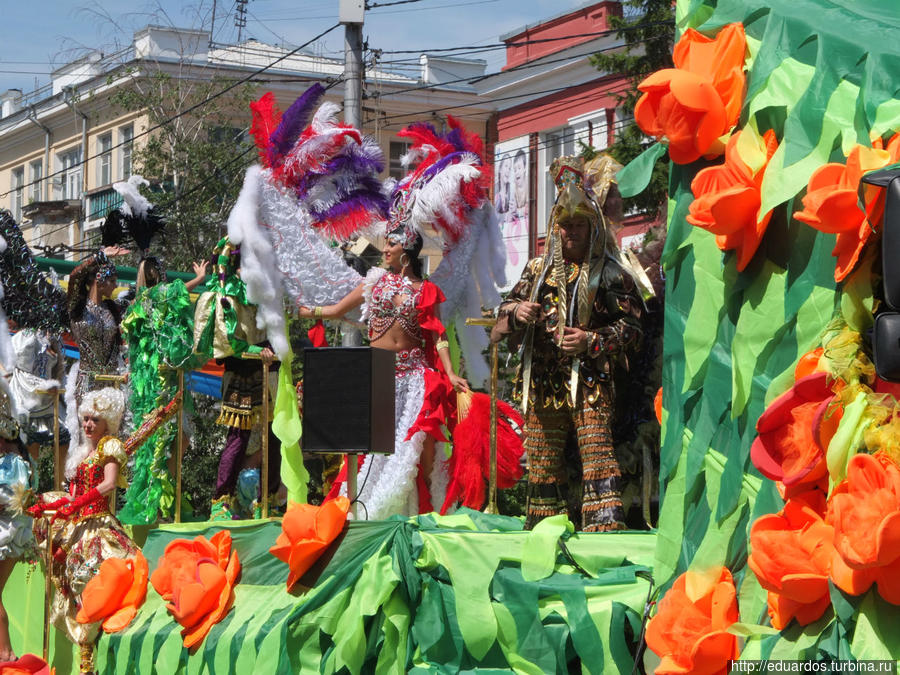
column 384, row 312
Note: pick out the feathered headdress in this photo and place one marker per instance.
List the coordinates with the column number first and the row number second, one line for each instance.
column 331, row 168
column 448, row 189
column 449, row 182
column 134, row 219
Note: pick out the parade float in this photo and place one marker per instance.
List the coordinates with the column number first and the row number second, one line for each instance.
column 779, row 474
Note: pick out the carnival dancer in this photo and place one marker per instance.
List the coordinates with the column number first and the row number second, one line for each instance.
column 40, row 370
column 88, row 533
column 95, row 319
column 17, row 478
column 575, row 312
column 403, row 316
column 225, row 327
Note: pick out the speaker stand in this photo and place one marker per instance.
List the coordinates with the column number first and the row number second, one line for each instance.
column 352, row 471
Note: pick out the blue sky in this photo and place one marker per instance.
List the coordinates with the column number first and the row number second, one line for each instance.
column 46, row 34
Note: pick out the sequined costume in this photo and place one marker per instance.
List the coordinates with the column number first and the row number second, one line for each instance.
column 16, row 476
column 40, row 365
column 392, row 484
column 225, row 327
column 84, row 540
column 613, row 328
column 99, row 345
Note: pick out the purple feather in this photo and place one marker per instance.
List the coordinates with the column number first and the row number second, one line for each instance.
column 292, row 124
column 375, row 204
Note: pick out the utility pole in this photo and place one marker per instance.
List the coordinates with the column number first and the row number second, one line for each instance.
column 351, row 14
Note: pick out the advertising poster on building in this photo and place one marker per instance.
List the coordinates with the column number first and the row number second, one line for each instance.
column 511, row 197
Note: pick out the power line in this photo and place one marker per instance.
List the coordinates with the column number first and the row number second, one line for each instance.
column 390, row 4
column 521, row 43
column 171, row 119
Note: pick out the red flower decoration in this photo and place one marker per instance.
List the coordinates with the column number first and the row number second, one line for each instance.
column 699, row 100
column 794, row 433
column 197, row 578
column 831, row 201
column 690, row 629
column 864, row 510
column 115, row 593
column 791, row 557
column 306, row 531
column 27, row 664
column 727, row 197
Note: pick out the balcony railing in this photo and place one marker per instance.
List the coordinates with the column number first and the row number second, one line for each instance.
column 102, row 202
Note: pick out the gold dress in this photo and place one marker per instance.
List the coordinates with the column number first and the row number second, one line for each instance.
column 83, row 541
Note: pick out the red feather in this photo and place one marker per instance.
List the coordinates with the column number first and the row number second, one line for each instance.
column 469, row 465
column 266, row 116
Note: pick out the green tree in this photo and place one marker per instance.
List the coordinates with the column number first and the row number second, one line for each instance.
column 648, row 30
column 196, row 154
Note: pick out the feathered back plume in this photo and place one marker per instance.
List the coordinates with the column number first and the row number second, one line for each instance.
column 331, row 168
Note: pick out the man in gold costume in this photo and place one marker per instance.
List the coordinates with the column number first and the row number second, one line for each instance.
column 575, row 315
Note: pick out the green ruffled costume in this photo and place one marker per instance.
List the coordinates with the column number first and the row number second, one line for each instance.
column 159, row 331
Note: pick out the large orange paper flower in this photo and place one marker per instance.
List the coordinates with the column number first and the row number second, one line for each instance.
column 865, row 513
column 831, row 201
column 115, row 593
column 197, row 578
column 306, row 531
column 791, row 557
column 699, row 100
column 27, row 664
column 794, row 432
column 727, row 197
column 690, row 629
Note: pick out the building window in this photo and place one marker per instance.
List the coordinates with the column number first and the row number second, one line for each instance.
column 104, row 160
column 395, row 152
column 17, row 187
column 37, row 183
column 553, row 144
column 69, row 185
column 126, row 140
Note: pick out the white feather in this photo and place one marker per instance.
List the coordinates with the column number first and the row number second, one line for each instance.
column 133, row 202
column 264, row 288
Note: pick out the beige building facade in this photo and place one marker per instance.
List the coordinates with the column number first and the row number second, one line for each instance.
column 63, row 146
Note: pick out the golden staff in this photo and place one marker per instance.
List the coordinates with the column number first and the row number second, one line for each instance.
column 48, row 582
column 117, row 380
column 264, row 478
column 495, row 359
column 179, row 453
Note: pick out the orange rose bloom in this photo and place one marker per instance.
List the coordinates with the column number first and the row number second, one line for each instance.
column 865, row 513
column 690, row 629
column 794, row 432
column 699, row 100
column 791, row 557
column 831, row 201
column 727, row 197
column 115, row 593
column 306, row 531
column 197, row 578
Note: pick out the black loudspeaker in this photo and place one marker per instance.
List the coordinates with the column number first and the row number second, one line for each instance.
column 886, row 332
column 348, row 400
column 889, row 179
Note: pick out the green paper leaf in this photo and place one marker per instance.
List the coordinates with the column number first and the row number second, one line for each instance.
column 634, row 178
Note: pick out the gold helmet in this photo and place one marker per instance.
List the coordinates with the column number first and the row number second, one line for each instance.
column 581, row 191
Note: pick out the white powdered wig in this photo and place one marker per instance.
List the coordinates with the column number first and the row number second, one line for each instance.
column 264, row 287
column 469, row 276
column 134, row 203
column 109, row 404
